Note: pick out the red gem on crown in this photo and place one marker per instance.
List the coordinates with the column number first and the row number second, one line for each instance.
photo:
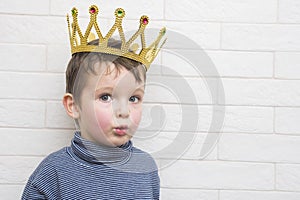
column 92, row 10
column 145, row 21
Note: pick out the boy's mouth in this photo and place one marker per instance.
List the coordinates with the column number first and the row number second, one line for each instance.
column 121, row 130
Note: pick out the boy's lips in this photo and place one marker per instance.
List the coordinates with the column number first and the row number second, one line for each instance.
column 121, row 130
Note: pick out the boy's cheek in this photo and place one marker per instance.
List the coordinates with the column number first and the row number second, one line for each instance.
column 104, row 119
column 136, row 117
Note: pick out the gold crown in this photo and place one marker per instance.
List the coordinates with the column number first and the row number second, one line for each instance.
column 129, row 50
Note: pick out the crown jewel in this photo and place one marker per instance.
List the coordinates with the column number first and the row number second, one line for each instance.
column 79, row 41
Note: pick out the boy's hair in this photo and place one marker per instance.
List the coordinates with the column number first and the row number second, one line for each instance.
column 84, row 63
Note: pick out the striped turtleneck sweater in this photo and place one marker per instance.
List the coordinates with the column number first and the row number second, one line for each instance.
column 85, row 170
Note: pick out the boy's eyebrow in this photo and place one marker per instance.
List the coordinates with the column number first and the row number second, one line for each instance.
column 111, row 89
column 140, row 89
column 104, row 88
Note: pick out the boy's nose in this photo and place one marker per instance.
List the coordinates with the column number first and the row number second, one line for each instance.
column 121, row 109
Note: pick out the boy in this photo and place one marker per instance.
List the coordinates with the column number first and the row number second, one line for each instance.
column 104, row 93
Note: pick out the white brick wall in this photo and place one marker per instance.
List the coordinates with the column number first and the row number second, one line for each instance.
column 255, row 47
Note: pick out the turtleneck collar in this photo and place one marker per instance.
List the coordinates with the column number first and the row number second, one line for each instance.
column 94, row 153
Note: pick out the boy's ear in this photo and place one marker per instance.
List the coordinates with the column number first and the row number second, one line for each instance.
column 70, row 106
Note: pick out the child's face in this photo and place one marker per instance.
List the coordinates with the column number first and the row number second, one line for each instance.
column 111, row 107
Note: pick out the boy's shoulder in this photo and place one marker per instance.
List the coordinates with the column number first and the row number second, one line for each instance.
column 55, row 158
column 50, row 162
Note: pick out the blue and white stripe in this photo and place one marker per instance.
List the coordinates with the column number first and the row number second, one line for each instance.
column 88, row 171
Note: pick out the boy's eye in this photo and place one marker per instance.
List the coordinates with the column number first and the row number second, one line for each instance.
column 134, row 99
column 105, row 98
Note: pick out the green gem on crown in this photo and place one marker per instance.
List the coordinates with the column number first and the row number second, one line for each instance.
column 163, row 31
column 120, row 13
column 74, row 11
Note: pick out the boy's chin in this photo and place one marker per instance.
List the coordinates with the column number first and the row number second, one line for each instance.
column 117, row 141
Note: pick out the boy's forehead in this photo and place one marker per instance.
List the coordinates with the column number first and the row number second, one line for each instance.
column 110, row 76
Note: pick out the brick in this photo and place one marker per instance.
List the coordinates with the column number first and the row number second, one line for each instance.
column 258, row 195
column 20, row 113
column 287, row 65
column 261, row 92
column 236, row 118
column 193, row 35
column 38, row 7
column 216, row 174
column 243, row 91
column 287, row 120
column 11, row 192
column 242, row 64
column 17, row 169
column 23, row 57
column 181, row 90
column 157, row 144
column 267, row 37
column 161, row 117
column 217, row 10
column 288, row 177
column 180, row 64
column 182, row 118
column 197, row 147
column 259, row 148
column 32, row 85
column 179, row 194
column 134, row 9
column 56, row 116
column 286, row 93
column 248, row 119
column 19, row 142
column 33, row 29
column 204, row 91
column 188, row 63
column 288, row 11
column 151, row 118
column 58, row 57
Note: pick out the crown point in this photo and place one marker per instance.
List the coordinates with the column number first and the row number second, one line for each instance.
column 163, row 31
column 93, row 9
column 120, row 13
column 74, row 11
column 144, row 20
